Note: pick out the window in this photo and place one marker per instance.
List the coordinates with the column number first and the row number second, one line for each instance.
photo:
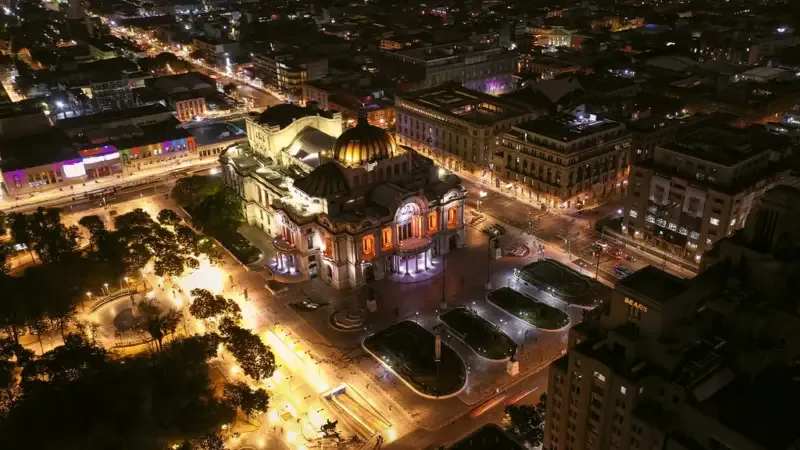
column 672, row 227
column 623, row 390
column 714, row 221
column 691, row 245
column 694, row 235
column 733, row 222
column 452, row 217
column 708, row 241
column 600, row 376
column 433, row 222
column 386, row 238
column 633, row 213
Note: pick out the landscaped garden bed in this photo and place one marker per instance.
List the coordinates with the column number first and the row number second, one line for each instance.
column 409, row 349
column 532, row 311
column 482, row 336
column 563, row 282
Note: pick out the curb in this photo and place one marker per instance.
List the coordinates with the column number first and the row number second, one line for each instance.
column 457, row 335
column 565, row 327
column 410, row 386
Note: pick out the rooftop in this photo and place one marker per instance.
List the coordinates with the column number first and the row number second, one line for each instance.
column 486, row 437
column 215, row 133
column 112, row 116
column 36, row 150
column 726, row 146
column 444, row 51
column 654, row 284
column 569, row 127
column 465, row 104
column 284, row 114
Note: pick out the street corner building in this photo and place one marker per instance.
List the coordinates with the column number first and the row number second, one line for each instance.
column 349, row 207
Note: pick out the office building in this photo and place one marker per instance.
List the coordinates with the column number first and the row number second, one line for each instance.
column 480, row 64
column 701, row 187
column 706, row 364
column 567, row 160
column 457, row 126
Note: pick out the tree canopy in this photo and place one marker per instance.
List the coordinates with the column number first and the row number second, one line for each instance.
column 255, row 358
column 90, row 400
column 525, row 422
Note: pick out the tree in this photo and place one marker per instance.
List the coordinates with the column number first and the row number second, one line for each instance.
column 51, row 239
column 190, row 191
column 21, row 231
column 220, row 212
column 250, row 401
column 255, row 358
column 211, row 441
column 206, row 305
column 329, row 429
column 3, row 223
column 525, row 422
column 93, row 224
column 229, row 89
column 159, row 323
column 136, row 402
column 169, row 218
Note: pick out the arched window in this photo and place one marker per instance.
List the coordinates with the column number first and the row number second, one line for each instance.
column 452, row 217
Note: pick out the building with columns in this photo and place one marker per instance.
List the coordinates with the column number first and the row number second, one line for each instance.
column 349, row 207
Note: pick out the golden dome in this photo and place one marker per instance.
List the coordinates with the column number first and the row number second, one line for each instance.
column 362, row 144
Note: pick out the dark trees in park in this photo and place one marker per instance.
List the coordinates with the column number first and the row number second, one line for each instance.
column 169, row 217
column 251, row 401
column 164, row 63
column 159, row 323
column 190, row 191
column 44, row 233
column 93, row 401
column 525, row 422
column 206, row 305
column 229, row 89
column 255, row 358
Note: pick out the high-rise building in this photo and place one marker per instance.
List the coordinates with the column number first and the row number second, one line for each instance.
column 701, row 187
column 457, row 126
column 705, row 364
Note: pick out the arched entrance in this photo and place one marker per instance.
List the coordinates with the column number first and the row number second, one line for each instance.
column 328, row 273
column 369, row 273
column 453, row 242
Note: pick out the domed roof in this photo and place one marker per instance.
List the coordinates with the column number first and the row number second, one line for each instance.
column 362, row 144
column 284, row 114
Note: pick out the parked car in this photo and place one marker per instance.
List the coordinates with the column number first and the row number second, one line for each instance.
column 630, row 258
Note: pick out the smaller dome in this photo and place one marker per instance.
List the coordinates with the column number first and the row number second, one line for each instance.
column 362, row 144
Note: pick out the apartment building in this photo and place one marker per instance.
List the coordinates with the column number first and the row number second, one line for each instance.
column 701, row 364
column 701, row 187
column 287, row 73
column 457, row 126
column 568, row 160
column 482, row 64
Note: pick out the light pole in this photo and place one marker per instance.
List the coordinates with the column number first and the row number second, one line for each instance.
column 489, row 264
column 481, row 195
column 106, row 286
column 416, row 317
column 88, row 294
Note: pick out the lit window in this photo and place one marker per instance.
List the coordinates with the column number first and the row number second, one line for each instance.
column 633, row 213
column 386, row 237
column 694, row 235
column 623, row 390
column 708, row 241
column 650, row 219
column 714, row 221
column 672, row 227
column 600, row 376
column 733, row 222
column 691, row 245
column 683, row 231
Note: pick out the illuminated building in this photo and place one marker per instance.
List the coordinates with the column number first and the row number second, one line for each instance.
column 565, row 160
column 700, row 188
column 349, row 207
column 481, row 63
column 679, row 364
column 457, row 126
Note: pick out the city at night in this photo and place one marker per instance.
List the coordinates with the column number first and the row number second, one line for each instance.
column 466, row 225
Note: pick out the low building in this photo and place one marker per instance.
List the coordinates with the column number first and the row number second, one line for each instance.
column 565, row 160
column 214, row 138
column 457, row 126
column 700, row 188
column 362, row 208
column 217, row 52
column 484, row 66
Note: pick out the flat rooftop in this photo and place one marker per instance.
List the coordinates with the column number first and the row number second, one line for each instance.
column 465, row 104
column 36, row 150
column 654, row 283
column 215, row 133
column 489, row 436
column 443, row 51
column 568, row 127
column 727, row 147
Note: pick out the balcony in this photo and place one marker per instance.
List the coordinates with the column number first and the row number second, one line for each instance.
column 414, row 245
column 283, row 246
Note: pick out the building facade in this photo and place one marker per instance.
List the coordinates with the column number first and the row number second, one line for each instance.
column 456, row 126
column 700, row 188
column 484, row 66
column 565, row 161
column 671, row 363
column 349, row 207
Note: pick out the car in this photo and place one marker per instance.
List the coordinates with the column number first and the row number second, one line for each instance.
column 601, row 244
column 630, row 258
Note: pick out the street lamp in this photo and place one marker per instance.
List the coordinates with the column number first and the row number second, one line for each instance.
column 416, row 317
column 481, row 195
column 106, row 286
column 88, row 294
